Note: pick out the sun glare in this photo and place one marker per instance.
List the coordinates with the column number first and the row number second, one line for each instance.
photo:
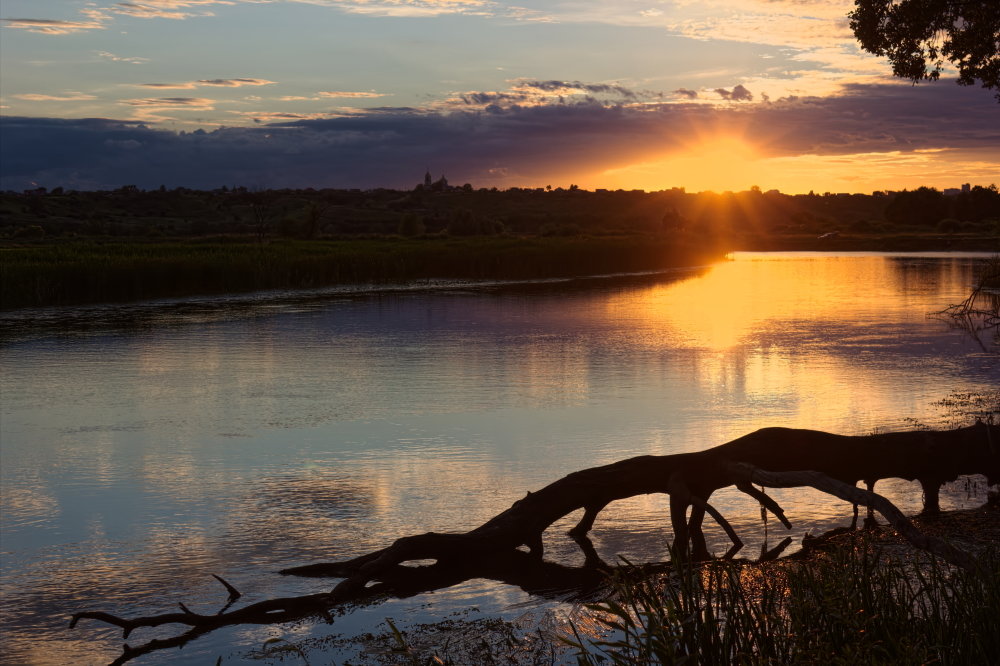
column 723, row 163
column 717, row 162
column 725, row 160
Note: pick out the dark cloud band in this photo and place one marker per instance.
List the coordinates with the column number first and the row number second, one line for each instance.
column 388, row 145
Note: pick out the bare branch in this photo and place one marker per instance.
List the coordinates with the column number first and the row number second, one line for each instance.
column 712, row 511
column 867, row 498
column 767, row 501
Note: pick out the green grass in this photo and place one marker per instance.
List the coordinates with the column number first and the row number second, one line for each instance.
column 81, row 272
column 853, row 606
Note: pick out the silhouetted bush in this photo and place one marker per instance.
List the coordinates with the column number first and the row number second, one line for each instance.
column 563, row 229
column 411, row 224
column 948, row 225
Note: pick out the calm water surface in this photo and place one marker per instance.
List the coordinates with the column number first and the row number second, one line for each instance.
column 148, row 446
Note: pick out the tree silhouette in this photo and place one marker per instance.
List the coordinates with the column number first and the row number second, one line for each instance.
column 924, row 206
column 918, row 36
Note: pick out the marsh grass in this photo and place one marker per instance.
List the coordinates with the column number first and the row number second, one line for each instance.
column 852, row 606
column 100, row 272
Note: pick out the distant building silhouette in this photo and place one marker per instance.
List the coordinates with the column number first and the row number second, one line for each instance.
column 431, row 185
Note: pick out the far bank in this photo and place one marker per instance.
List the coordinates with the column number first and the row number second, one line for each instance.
column 93, row 271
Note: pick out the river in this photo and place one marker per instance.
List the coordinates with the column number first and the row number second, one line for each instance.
column 147, row 446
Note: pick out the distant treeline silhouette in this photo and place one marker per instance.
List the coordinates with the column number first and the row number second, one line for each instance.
column 310, row 214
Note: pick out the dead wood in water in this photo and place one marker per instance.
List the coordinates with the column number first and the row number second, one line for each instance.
column 980, row 311
column 774, row 457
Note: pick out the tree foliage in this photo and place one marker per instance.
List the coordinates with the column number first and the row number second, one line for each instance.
column 924, row 206
column 918, row 36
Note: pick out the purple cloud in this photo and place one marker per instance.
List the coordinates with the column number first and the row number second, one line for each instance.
column 737, row 94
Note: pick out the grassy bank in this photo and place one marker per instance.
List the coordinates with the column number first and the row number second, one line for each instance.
column 854, row 604
column 88, row 272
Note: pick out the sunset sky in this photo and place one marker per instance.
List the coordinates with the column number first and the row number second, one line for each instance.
column 713, row 94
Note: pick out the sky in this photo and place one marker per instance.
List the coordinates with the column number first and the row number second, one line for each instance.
column 632, row 94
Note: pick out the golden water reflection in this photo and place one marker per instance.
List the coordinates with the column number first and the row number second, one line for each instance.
column 757, row 296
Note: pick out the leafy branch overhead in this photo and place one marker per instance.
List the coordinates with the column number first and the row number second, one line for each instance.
column 920, row 36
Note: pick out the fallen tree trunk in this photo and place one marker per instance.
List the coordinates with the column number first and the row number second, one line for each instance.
column 777, row 457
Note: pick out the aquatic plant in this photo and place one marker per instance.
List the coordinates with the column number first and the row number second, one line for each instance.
column 854, row 605
column 981, row 308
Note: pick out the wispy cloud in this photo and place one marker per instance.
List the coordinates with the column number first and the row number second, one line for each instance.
column 173, row 102
column 348, row 94
column 526, row 14
column 151, row 109
column 188, row 85
column 52, row 26
column 233, row 83
column 416, row 8
column 65, row 97
column 219, row 83
column 260, row 117
column 98, row 18
column 814, row 32
column 168, row 9
column 332, row 94
column 146, row 11
column 116, row 58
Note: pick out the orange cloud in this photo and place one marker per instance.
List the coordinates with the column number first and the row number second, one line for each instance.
column 353, row 95
column 222, row 83
column 67, row 97
column 164, row 8
column 233, row 83
column 172, row 102
column 53, row 27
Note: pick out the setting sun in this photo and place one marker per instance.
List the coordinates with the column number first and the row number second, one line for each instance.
column 716, row 162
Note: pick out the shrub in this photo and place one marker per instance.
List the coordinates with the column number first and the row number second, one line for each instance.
column 948, row 225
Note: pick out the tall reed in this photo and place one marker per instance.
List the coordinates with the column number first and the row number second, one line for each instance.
column 853, row 606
